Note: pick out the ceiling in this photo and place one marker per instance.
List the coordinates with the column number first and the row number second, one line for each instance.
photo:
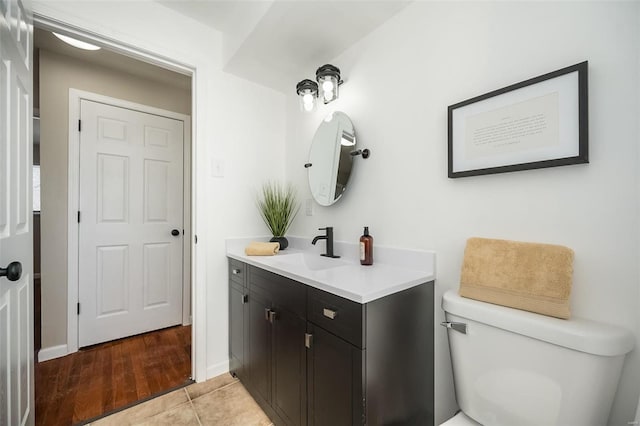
column 278, row 42
column 274, row 43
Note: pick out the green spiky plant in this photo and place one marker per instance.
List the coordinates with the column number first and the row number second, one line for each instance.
column 278, row 207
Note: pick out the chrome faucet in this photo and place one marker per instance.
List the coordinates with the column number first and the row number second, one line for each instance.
column 329, row 237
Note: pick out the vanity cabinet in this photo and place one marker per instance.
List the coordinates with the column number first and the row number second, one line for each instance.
column 309, row 357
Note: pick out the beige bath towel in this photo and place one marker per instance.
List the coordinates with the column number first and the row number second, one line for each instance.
column 529, row 276
column 261, row 249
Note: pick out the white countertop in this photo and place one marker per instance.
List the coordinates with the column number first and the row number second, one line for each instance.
column 393, row 270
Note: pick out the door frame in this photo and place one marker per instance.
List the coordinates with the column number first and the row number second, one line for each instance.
column 73, row 180
column 197, row 273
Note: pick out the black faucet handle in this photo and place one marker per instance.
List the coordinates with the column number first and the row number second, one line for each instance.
column 326, row 228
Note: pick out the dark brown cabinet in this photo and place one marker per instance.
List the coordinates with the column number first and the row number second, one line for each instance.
column 238, row 311
column 334, row 373
column 309, row 357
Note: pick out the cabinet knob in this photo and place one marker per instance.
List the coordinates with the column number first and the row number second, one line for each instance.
column 329, row 313
column 235, row 271
column 272, row 316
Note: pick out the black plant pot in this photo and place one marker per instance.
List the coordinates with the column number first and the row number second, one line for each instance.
column 284, row 243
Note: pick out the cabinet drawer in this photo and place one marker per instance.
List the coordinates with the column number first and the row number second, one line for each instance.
column 340, row 316
column 280, row 291
column 237, row 272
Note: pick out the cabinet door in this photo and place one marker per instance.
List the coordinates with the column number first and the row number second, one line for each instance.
column 237, row 303
column 259, row 342
column 335, row 380
column 289, row 367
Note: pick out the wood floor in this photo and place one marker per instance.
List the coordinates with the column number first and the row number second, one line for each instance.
column 105, row 377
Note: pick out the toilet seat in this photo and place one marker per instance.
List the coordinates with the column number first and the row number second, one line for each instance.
column 460, row 419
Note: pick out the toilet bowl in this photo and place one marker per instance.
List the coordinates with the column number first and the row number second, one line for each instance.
column 512, row 367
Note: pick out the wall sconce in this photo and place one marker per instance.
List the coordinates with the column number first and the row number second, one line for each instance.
column 328, row 80
column 308, row 93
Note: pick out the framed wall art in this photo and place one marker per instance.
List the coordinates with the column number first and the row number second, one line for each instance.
column 540, row 122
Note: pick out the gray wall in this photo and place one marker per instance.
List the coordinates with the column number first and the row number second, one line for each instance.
column 59, row 73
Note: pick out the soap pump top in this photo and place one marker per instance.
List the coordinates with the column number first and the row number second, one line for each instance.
column 366, row 248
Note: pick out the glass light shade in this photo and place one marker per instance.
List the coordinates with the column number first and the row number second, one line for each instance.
column 307, row 91
column 328, row 78
column 329, row 85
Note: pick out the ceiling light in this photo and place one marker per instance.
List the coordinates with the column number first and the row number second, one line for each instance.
column 77, row 43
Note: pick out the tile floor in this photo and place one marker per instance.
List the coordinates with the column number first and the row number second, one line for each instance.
column 218, row 401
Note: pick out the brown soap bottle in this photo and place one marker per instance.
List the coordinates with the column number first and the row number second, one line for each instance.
column 366, row 248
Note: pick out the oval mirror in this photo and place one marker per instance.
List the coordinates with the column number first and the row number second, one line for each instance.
column 330, row 159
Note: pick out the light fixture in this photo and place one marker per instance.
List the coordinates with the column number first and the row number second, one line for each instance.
column 328, row 80
column 77, row 43
column 308, row 92
column 328, row 77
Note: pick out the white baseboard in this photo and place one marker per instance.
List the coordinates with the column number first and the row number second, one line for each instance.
column 45, row 354
column 217, row 369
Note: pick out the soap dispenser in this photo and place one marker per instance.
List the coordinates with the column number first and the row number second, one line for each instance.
column 366, row 248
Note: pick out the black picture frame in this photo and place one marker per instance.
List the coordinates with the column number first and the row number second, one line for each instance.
column 537, row 123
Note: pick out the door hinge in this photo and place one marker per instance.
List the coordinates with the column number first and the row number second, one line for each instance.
column 79, row 125
column 78, row 308
column 308, row 340
column 195, row 239
column 245, row 298
column 78, row 216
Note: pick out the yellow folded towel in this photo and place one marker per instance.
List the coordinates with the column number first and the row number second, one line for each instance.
column 261, row 249
column 529, row 276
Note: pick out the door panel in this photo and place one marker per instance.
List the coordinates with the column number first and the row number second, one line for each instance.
column 112, row 280
column 156, row 275
column 4, row 148
column 334, row 380
column 113, row 188
column 156, row 188
column 290, row 368
column 16, row 240
column 259, row 364
column 5, row 357
column 236, row 331
column 131, row 198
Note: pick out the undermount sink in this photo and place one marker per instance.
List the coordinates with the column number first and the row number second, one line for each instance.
column 311, row 261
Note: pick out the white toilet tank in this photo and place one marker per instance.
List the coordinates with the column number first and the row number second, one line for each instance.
column 515, row 368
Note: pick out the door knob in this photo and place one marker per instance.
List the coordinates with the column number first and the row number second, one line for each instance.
column 13, row 271
column 175, row 232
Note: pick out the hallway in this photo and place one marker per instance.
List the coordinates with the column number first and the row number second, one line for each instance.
column 109, row 376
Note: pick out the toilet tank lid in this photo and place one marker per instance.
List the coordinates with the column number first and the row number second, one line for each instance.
column 575, row 333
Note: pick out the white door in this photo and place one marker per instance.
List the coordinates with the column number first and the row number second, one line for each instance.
column 130, row 230
column 16, row 236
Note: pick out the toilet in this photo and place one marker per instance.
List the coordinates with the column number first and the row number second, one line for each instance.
column 516, row 368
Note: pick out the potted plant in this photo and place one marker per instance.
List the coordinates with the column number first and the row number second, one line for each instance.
column 278, row 207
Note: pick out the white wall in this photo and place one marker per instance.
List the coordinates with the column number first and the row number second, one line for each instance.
column 400, row 80
column 235, row 120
